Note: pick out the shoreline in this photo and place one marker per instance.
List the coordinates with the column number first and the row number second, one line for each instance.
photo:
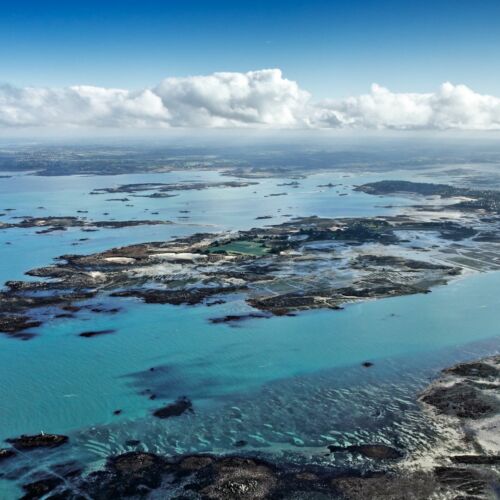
column 460, row 467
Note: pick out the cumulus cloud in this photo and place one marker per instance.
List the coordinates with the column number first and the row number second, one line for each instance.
column 79, row 105
column 451, row 107
column 231, row 99
column 262, row 99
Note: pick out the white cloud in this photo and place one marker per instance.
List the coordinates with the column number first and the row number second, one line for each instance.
column 79, row 105
column 231, row 99
column 451, row 107
column 260, row 99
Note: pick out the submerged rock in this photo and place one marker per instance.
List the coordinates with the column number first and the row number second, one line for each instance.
column 13, row 325
column 95, row 333
column 38, row 489
column 232, row 318
column 132, row 442
column 174, row 409
column 240, row 443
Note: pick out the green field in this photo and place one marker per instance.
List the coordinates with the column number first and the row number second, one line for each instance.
column 242, row 247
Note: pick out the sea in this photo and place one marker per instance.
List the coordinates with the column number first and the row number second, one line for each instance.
column 284, row 387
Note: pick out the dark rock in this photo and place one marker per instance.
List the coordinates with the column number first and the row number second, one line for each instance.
column 16, row 324
column 235, row 477
column 94, row 333
column 398, row 262
column 174, row 409
column 51, row 229
column 476, row 459
column 133, row 462
column 6, row 453
column 132, row 474
column 215, row 303
column 176, row 297
column 26, row 442
column 141, row 475
column 71, row 308
column 232, row 318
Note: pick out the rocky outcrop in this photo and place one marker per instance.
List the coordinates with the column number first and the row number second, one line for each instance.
column 27, row 442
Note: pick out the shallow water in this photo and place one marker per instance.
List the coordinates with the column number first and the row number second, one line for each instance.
column 210, row 210
column 284, row 385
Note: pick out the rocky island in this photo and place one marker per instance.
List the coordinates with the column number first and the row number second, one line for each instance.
column 305, row 263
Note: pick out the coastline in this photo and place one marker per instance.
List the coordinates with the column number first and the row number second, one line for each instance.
column 464, row 465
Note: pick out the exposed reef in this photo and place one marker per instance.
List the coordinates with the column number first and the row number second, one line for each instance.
column 465, row 403
column 207, row 476
column 204, row 476
column 468, row 392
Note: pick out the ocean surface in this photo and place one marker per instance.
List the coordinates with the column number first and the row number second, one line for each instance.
column 287, row 386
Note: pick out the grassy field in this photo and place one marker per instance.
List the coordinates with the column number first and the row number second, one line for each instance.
column 243, row 247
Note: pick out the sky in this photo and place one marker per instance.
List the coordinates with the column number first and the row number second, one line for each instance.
column 332, row 50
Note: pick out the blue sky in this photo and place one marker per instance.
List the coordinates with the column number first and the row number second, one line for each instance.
column 331, row 48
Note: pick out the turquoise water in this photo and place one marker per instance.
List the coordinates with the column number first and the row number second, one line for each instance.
column 69, row 382
column 210, row 210
column 284, row 385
